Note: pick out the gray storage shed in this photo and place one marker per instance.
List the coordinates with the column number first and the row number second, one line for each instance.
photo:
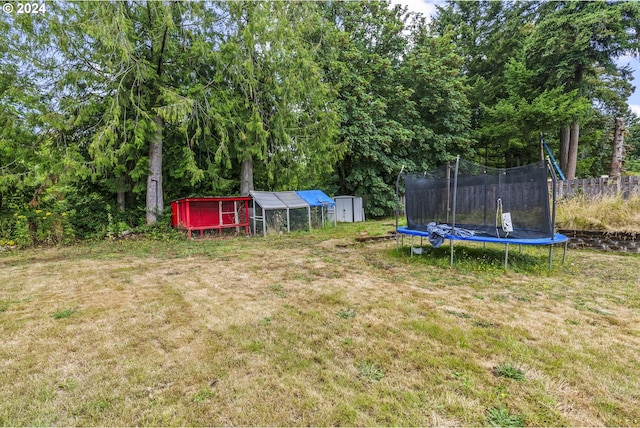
column 349, row 209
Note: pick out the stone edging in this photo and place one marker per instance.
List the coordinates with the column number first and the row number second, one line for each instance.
column 628, row 242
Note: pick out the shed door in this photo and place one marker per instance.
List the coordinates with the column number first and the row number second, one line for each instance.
column 344, row 210
column 358, row 211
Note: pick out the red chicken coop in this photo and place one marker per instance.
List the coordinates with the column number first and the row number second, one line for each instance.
column 211, row 213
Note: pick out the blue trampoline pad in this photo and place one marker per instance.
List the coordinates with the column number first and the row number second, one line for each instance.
column 557, row 238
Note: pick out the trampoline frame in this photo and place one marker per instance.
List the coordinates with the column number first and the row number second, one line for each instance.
column 557, row 238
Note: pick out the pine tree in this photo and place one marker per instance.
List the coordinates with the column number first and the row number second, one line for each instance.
column 574, row 46
column 279, row 112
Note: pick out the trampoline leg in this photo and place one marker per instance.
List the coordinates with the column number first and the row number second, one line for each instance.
column 564, row 256
column 506, row 255
column 550, row 257
column 411, row 251
column 451, row 248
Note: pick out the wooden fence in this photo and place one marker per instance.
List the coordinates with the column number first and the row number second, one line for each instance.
column 626, row 186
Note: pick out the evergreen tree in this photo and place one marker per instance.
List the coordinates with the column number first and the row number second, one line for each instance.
column 33, row 159
column 541, row 67
column 123, row 82
column 487, row 35
column 574, row 46
column 279, row 112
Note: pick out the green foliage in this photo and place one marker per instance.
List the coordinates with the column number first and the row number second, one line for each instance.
column 346, row 313
column 508, row 371
column 536, row 67
column 402, row 100
column 279, row 112
column 64, row 313
column 518, row 120
column 161, row 230
column 39, row 226
column 88, row 214
column 204, row 394
column 369, row 371
column 502, row 417
column 489, row 35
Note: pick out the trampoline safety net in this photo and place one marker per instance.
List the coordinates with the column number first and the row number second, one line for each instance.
column 480, row 196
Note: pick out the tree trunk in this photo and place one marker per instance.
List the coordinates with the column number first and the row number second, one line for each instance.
column 574, row 135
column 564, row 147
column 572, row 159
column 155, row 202
column 618, row 148
column 246, row 176
column 121, row 200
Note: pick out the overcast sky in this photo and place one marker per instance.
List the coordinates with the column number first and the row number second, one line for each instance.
column 422, row 6
column 427, row 8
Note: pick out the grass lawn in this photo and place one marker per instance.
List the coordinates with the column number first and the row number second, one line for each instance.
column 314, row 329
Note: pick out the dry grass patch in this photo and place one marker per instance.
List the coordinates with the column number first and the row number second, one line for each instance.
column 610, row 213
column 294, row 331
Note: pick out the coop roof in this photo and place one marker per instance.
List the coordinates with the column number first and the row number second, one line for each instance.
column 268, row 200
column 292, row 200
column 315, row 198
column 278, row 200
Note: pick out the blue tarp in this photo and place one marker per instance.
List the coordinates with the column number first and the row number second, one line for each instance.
column 315, row 198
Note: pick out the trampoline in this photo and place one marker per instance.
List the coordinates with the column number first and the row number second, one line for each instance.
column 476, row 203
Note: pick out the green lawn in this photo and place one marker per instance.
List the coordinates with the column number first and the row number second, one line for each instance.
column 314, row 329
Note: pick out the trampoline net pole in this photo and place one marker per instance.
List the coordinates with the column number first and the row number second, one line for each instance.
column 453, row 214
column 554, row 180
column 398, row 203
column 448, row 181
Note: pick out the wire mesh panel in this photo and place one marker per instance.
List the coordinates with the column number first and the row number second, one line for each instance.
column 428, row 197
column 276, row 220
column 485, row 199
